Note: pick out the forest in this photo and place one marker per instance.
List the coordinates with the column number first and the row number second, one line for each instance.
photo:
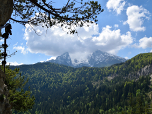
column 59, row 89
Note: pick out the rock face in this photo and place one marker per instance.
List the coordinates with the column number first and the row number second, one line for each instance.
column 96, row 59
column 102, row 59
column 5, row 107
column 147, row 70
column 64, row 59
column 6, row 9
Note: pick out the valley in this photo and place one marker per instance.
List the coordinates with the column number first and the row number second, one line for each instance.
column 61, row 89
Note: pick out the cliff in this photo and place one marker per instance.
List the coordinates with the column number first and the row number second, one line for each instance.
column 147, row 70
column 5, row 107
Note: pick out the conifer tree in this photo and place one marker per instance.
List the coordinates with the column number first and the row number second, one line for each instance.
column 19, row 99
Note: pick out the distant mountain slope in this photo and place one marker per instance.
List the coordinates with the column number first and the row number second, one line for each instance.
column 96, row 59
column 102, row 59
column 61, row 89
column 49, row 67
column 132, row 65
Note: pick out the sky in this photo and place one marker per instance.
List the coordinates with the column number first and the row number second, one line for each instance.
column 123, row 29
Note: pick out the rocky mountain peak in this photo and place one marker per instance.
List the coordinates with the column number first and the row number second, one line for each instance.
column 63, row 59
column 64, row 56
column 97, row 56
column 96, row 59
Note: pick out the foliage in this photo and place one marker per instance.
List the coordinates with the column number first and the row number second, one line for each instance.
column 45, row 12
column 60, row 89
column 19, row 99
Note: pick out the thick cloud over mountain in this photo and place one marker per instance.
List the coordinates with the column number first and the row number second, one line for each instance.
column 54, row 41
column 123, row 29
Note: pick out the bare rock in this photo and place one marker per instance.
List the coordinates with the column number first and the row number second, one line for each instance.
column 6, row 9
column 147, row 70
column 5, row 107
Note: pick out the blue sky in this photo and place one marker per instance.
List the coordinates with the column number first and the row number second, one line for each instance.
column 124, row 29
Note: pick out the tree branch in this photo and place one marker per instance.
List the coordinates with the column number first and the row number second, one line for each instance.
column 56, row 15
column 22, row 22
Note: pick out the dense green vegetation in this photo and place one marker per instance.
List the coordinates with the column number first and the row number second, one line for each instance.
column 59, row 89
column 20, row 99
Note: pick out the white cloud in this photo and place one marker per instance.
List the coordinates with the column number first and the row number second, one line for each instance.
column 116, row 25
column 52, row 58
column 144, row 43
column 13, row 63
column 136, row 17
column 112, row 41
column 126, row 58
column 1, row 40
column 116, row 5
column 22, row 49
column 57, row 42
column 15, row 44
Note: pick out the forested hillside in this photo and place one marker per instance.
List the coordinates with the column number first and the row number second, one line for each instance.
column 61, row 89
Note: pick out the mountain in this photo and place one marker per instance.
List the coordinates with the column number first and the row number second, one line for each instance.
column 63, row 59
column 60, row 89
column 96, row 59
column 102, row 59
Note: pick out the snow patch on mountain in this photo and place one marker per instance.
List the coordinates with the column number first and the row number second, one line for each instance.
column 95, row 59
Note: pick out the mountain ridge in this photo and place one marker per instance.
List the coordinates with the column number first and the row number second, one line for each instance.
column 64, row 88
column 96, row 59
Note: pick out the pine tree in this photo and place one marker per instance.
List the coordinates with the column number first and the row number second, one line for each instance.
column 19, row 99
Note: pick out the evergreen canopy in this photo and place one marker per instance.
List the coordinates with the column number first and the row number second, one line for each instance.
column 46, row 13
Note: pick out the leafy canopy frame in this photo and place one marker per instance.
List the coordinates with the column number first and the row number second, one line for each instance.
column 47, row 14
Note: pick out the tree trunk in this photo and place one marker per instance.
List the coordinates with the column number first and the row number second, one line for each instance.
column 6, row 9
column 5, row 107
